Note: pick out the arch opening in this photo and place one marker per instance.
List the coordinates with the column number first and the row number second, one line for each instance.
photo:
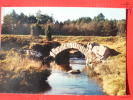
column 65, row 59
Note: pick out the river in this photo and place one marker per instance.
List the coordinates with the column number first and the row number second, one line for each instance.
column 63, row 83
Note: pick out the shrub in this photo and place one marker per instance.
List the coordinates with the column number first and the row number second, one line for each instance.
column 35, row 29
column 48, row 33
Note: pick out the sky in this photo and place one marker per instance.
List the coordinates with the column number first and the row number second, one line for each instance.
column 72, row 13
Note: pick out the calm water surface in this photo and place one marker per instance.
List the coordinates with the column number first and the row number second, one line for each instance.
column 63, row 83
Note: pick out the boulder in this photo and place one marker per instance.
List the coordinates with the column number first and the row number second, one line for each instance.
column 74, row 71
column 102, row 52
column 95, row 49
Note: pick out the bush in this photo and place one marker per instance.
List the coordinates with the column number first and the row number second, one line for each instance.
column 48, row 33
column 35, row 29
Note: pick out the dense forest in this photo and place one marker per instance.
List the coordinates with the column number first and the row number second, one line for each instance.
column 20, row 24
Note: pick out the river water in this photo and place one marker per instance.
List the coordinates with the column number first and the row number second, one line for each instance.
column 63, row 83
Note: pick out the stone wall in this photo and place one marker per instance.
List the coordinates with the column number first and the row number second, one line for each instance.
column 93, row 52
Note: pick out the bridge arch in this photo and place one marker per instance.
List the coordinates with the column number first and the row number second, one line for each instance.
column 55, row 51
column 93, row 52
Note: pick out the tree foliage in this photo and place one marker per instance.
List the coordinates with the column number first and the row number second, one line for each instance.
column 43, row 18
column 100, row 18
column 14, row 23
column 121, row 25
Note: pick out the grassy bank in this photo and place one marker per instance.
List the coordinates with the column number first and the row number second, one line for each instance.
column 110, row 74
column 63, row 39
column 21, row 74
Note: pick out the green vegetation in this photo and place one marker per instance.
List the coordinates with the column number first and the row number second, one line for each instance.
column 110, row 74
column 48, row 33
column 35, row 32
column 85, row 26
column 35, row 29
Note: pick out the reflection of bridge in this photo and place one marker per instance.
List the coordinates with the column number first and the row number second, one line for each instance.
column 93, row 51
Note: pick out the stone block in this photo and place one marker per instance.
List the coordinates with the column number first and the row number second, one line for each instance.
column 104, row 52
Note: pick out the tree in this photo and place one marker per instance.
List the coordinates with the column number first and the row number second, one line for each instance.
column 10, row 23
column 48, row 33
column 94, row 28
column 7, row 27
column 14, row 17
column 67, row 22
column 55, row 28
column 100, row 18
column 109, row 28
column 22, row 18
column 83, row 20
column 35, row 29
column 121, row 25
column 31, row 19
column 43, row 18
column 113, row 28
column 38, row 16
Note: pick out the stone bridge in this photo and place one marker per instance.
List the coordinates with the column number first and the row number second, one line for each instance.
column 65, row 46
column 92, row 51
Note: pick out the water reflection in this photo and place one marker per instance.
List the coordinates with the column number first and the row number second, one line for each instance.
column 61, row 67
column 64, row 83
column 73, row 64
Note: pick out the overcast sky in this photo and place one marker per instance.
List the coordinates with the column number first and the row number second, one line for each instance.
column 72, row 13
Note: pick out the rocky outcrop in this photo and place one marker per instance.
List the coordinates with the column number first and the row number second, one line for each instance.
column 30, row 52
column 102, row 52
column 97, row 53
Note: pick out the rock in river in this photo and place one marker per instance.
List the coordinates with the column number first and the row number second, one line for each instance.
column 74, row 71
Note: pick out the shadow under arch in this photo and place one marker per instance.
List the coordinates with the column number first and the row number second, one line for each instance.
column 62, row 59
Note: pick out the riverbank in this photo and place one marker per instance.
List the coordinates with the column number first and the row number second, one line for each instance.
column 111, row 73
column 21, row 74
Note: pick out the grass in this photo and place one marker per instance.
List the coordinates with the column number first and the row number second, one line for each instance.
column 63, row 39
column 21, row 74
column 111, row 74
